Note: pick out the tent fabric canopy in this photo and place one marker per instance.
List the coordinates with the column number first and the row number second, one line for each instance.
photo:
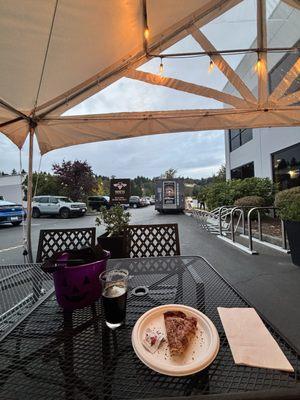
column 94, row 128
column 57, row 53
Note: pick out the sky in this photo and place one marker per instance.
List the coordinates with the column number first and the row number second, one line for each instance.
column 193, row 154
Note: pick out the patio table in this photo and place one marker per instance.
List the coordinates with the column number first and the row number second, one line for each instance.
column 49, row 354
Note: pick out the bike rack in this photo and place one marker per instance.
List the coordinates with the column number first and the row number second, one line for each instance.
column 232, row 240
column 210, row 219
column 283, row 248
column 214, row 222
column 260, row 240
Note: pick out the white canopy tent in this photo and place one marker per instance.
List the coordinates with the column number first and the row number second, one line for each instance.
column 57, row 53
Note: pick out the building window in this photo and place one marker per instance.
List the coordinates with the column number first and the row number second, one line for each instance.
column 244, row 171
column 238, row 137
column 279, row 71
column 286, row 167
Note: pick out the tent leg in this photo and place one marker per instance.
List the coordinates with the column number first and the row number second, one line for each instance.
column 29, row 194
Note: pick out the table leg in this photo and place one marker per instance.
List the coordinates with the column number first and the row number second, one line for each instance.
column 68, row 367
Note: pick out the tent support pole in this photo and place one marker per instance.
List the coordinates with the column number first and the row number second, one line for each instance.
column 29, row 192
column 262, row 66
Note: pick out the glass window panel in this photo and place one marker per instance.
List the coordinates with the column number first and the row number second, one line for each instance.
column 236, row 173
column 278, row 72
column 286, row 167
column 244, row 171
column 246, row 136
column 43, row 200
column 234, row 133
column 235, row 143
column 248, row 170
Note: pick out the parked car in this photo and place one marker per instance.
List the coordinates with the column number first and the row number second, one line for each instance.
column 95, row 202
column 135, row 202
column 146, row 201
column 152, row 200
column 56, row 205
column 11, row 213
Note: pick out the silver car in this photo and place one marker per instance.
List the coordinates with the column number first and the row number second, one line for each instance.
column 56, row 205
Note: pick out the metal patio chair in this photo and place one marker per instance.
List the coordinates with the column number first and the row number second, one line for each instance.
column 152, row 240
column 56, row 240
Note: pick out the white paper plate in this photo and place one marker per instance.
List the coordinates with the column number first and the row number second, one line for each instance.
column 200, row 353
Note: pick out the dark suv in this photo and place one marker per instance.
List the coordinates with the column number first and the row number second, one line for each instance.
column 95, row 202
column 135, row 202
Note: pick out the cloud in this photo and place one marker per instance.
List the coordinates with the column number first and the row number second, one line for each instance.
column 193, row 154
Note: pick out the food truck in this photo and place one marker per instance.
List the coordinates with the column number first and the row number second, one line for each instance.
column 169, row 195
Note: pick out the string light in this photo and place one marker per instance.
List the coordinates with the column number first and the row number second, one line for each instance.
column 211, row 66
column 258, row 64
column 161, row 67
column 146, row 33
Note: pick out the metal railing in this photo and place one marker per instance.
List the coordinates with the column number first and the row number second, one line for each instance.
column 283, row 246
column 221, row 220
column 210, row 219
column 241, row 216
column 223, row 213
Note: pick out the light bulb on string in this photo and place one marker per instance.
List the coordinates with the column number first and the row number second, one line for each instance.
column 211, row 66
column 146, row 33
column 161, row 67
column 258, row 64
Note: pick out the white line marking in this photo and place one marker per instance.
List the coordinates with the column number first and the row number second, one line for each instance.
column 11, row 248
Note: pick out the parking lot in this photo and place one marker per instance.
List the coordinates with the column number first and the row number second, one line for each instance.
column 11, row 237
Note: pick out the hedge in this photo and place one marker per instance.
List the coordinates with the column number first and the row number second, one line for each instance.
column 226, row 193
column 250, row 201
column 288, row 204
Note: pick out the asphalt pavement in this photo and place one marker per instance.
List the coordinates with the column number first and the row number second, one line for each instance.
column 269, row 281
column 11, row 237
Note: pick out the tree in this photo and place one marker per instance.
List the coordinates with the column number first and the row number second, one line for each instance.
column 14, row 172
column 221, row 174
column 100, row 189
column 136, row 189
column 76, row 178
column 224, row 193
column 170, row 173
column 44, row 183
column 105, row 185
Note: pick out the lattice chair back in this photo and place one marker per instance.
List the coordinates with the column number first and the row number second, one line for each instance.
column 56, row 240
column 152, row 240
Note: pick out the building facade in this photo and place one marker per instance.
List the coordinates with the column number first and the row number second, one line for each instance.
column 268, row 152
column 11, row 188
column 265, row 153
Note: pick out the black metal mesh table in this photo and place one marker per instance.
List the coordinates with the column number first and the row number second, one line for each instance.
column 56, row 355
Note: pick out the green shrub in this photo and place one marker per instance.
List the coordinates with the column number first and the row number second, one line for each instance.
column 114, row 219
column 288, row 204
column 262, row 187
column 250, row 201
column 226, row 193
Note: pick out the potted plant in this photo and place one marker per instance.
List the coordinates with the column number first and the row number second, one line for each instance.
column 115, row 220
column 288, row 204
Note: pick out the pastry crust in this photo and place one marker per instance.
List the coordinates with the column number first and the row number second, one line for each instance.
column 180, row 330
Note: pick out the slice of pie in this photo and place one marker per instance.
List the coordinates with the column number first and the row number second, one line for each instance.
column 180, row 330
